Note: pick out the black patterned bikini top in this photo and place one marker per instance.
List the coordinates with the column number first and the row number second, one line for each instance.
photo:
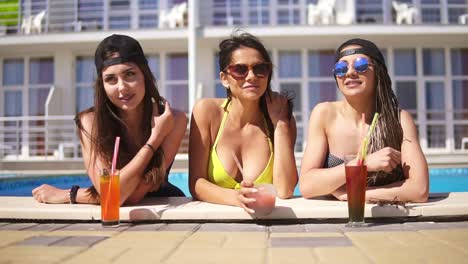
column 377, row 178
column 332, row 161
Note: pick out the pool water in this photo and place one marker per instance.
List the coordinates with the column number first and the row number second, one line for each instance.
column 441, row 180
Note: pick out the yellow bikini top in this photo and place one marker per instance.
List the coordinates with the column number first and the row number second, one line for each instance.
column 218, row 175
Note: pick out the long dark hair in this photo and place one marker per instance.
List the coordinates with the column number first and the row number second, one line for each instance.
column 388, row 131
column 107, row 125
column 237, row 40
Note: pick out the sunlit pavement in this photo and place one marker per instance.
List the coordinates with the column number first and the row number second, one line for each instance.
column 411, row 242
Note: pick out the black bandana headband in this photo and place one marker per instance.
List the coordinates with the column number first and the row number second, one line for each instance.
column 367, row 48
column 128, row 48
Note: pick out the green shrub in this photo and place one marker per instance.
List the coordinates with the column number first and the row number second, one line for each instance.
column 9, row 12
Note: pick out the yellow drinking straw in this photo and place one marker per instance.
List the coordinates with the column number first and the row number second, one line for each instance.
column 366, row 139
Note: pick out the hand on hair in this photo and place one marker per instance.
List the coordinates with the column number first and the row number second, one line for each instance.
column 50, row 194
column 385, row 159
column 277, row 105
column 161, row 123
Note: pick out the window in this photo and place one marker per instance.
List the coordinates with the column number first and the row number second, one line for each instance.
column 406, row 79
column 41, row 78
column 431, row 11
column 90, row 14
column 433, row 62
column 369, row 11
column 176, row 86
column 322, row 86
column 459, row 61
column 456, row 8
column 148, row 13
column 119, row 14
column 259, row 13
column 288, row 12
column 289, row 64
column 227, row 12
column 290, row 73
column 84, row 76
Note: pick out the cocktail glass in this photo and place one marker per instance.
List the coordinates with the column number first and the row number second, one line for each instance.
column 356, row 184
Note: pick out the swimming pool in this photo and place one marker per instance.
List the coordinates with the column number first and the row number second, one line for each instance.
column 441, row 180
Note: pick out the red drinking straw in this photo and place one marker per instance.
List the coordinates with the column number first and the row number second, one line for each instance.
column 116, row 152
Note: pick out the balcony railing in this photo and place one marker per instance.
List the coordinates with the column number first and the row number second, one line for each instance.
column 44, row 138
column 44, row 16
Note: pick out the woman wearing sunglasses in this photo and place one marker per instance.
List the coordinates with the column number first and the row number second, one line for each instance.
column 253, row 125
column 397, row 168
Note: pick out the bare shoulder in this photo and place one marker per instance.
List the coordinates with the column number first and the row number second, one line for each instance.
column 406, row 117
column 86, row 120
column 324, row 111
column 208, row 107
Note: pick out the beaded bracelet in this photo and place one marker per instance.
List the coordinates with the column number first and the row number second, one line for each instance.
column 72, row 194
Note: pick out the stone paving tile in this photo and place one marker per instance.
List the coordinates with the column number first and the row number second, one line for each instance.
column 374, row 227
column 457, row 238
column 243, row 240
column 41, row 240
column 232, row 227
column 17, row 226
column 221, row 255
column 180, row 227
column 146, row 227
column 95, row 227
column 380, row 248
column 439, row 255
column 287, row 228
column 46, row 227
column 205, row 240
column 79, row 241
column 142, row 256
column 36, row 254
column 340, row 255
column 323, row 227
column 148, row 240
column 439, row 225
column 10, row 237
column 306, row 234
column 288, row 242
column 291, row 256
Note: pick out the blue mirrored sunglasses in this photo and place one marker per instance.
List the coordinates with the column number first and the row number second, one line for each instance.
column 360, row 65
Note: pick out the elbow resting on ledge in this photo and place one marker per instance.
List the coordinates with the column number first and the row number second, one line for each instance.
column 420, row 197
column 285, row 194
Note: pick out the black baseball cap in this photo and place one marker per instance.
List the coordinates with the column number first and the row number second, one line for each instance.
column 128, row 48
column 368, row 48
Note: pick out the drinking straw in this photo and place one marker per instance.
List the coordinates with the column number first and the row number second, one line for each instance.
column 239, row 166
column 366, row 139
column 114, row 164
column 361, row 137
column 116, row 151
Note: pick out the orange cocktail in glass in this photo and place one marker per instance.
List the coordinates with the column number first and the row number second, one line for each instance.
column 110, row 198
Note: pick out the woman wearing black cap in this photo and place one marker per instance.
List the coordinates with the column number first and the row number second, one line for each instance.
column 397, row 168
column 126, row 104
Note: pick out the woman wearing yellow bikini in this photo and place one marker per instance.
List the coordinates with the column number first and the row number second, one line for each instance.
column 253, row 124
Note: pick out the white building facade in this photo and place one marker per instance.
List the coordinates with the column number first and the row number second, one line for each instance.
column 47, row 66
